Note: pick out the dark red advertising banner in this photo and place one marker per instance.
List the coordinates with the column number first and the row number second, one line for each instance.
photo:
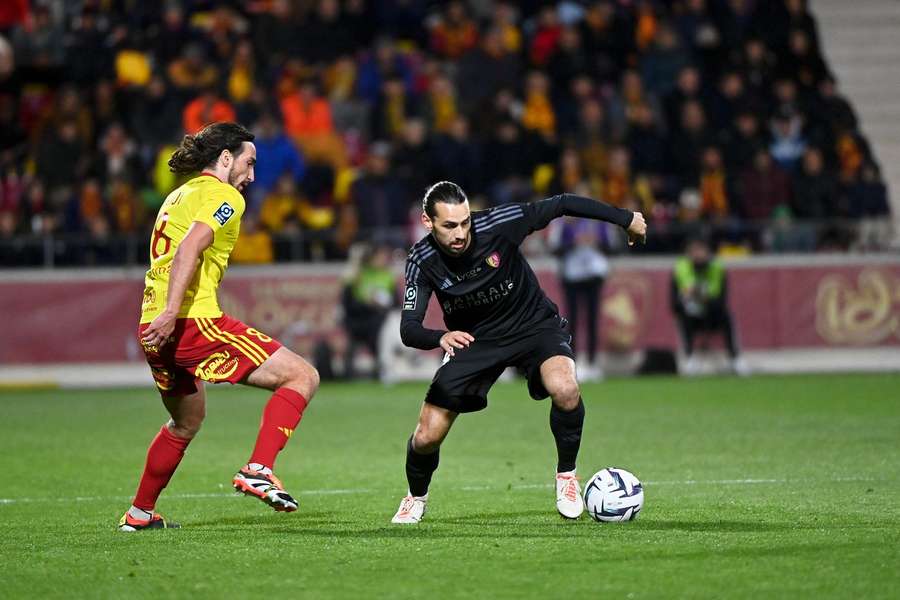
column 93, row 318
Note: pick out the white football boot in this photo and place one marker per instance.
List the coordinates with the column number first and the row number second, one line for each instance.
column 568, row 495
column 412, row 509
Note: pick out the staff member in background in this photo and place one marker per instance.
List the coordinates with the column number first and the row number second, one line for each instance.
column 370, row 292
column 699, row 299
column 583, row 269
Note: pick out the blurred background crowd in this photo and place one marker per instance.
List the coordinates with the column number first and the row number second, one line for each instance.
column 713, row 117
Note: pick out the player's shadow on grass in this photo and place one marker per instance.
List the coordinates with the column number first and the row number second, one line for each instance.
column 713, row 526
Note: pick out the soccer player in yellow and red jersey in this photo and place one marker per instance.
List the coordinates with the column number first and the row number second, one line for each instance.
column 188, row 340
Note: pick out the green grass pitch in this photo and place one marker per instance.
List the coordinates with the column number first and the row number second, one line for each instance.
column 786, row 487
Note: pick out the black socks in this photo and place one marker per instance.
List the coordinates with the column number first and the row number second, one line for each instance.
column 566, row 428
column 420, row 467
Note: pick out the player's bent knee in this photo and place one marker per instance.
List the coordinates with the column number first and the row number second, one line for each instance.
column 566, row 395
column 303, row 378
column 186, row 429
column 425, row 441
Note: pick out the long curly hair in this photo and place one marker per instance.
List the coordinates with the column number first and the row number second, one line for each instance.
column 202, row 149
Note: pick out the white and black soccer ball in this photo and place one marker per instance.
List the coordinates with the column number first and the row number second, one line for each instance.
column 613, row 494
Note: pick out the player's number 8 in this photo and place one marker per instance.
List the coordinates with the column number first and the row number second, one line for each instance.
column 158, row 236
column 262, row 337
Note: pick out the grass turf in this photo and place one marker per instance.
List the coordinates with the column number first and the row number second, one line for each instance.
column 785, row 486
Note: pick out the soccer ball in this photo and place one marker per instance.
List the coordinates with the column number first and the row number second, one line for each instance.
column 613, row 494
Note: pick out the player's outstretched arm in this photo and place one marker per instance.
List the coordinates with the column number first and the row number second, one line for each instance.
column 538, row 215
column 197, row 239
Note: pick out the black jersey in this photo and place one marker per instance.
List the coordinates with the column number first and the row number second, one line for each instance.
column 490, row 290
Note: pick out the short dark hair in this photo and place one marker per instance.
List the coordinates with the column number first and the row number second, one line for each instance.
column 200, row 150
column 442, row 191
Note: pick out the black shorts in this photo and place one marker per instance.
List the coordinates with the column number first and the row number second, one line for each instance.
column 462, row 382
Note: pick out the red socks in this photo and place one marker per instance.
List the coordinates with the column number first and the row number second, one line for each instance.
column 280, row 417
column 163, row 456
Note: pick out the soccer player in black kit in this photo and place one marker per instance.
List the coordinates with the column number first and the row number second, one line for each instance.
column 497, row 316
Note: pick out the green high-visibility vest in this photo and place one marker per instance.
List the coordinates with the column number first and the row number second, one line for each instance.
column 712, row 279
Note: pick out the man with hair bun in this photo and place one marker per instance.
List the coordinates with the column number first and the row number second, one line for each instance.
column 188, row 340
column 496, row 316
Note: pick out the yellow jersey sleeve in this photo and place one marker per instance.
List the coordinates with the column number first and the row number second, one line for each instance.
column 221, row 207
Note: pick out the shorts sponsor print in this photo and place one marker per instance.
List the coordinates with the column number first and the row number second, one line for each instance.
column 213, row 349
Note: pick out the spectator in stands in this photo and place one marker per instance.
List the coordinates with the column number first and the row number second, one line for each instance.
column 325, row 36
column 728, row 99
column 509, row 167
column 538, row 114
column 714, row 193
column 281, row 156
column 802, row 62
column 865, row 199
column 663, row 62
column 646, row 142
column 609, row 40
column 788, row 141
column 457, row 156
column 700, row 32
column 61, row 157
column 742, row 141
column 380, row 201
column 441, row 107
column 757, row 65
column 688, row 142
column 120, row 158
column 546, row 37
column 687, row 89
column 699, row 302
column 485, row 70
column 815, row 194
column 190, row 74
column 763, row 186
column 593, row 137
column 208, row 107
column 394, row 107
column 41, row 46
column 455, row 32
column 307, row 119
column 381, row 63
column 155, row 117
column 412, row 157
column 254, row 244
column 569, row 60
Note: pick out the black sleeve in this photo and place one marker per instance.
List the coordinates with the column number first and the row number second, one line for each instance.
column 538, row 215
column 415, row 303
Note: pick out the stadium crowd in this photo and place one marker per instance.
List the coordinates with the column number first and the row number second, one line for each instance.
column 719, row 116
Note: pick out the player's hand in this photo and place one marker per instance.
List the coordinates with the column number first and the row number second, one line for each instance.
column 159, row 330
column 637, row 231
column 455, row 339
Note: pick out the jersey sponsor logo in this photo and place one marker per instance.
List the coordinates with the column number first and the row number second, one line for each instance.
column 470, row 274
column 223, row 213
column 409, row 298
column 493, row 260
column 483, row 297
column 217, row 366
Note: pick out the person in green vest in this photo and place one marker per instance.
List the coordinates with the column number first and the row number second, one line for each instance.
column 370, row 292
column 699, row 298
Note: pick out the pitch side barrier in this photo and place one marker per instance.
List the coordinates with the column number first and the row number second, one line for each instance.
column 793, row 312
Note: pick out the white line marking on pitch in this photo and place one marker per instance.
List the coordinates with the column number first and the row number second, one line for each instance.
column 467, row 488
